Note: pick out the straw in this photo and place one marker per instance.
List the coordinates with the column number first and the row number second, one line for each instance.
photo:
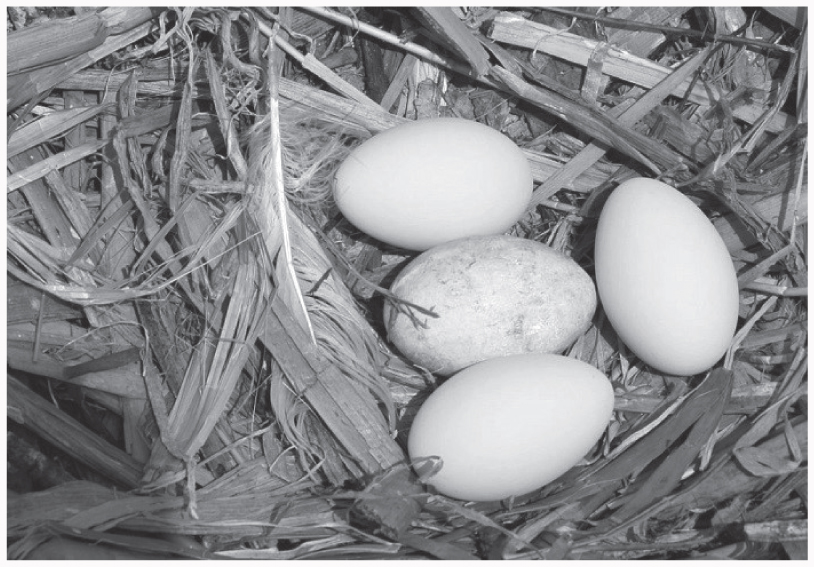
column 196, row 328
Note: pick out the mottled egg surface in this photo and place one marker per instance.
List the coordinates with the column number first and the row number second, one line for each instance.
column 493, row 296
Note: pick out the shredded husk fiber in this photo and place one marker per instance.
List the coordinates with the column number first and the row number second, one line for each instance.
column 196, row 362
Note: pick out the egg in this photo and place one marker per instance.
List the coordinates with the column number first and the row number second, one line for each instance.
column 510, row 425
column 493, row 296
column 427, row 182
column 665, row 278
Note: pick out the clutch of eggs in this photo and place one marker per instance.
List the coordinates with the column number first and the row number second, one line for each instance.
column 665, row 278
column 510, row 425
column 426, row 182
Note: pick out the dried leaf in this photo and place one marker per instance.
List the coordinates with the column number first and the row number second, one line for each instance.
column 389, row 503
column 762, row 463
column 708, row 402
column 438, row 549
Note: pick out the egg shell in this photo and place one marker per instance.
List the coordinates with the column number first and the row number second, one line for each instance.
column 665, row 278
column 510, row 425
column 427, row 182
column 494, row 296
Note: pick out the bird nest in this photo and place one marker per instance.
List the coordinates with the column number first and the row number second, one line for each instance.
column 196, row 364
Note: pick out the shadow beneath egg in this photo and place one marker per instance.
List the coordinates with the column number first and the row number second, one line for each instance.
column 408, row 413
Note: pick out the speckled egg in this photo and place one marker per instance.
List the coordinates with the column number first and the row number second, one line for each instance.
column 493, row 296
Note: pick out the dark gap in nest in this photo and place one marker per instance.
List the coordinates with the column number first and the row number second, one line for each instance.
column 48, row 465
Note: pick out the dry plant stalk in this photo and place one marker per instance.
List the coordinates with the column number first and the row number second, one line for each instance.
column 508, row 28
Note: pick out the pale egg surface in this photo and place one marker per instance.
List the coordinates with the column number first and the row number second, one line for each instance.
column 431, row 181
column 511, row 425
column 665, row 278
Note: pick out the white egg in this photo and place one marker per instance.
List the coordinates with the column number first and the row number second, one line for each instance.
column 665, row 278
column 428, row 182
column 510, row 425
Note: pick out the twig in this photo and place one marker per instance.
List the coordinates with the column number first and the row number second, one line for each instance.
column 337, row 253
column 600, row 126
column 781, row 290
column 777, row 530
column 703, row 35
column 386, row 37
column 314, row 65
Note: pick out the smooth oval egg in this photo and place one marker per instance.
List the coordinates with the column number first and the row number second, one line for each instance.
column 431, row 181
column 493, row 296
column 665, row 278
column 510, row 425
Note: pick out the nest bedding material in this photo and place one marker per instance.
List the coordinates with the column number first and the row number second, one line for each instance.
column 196, row 363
